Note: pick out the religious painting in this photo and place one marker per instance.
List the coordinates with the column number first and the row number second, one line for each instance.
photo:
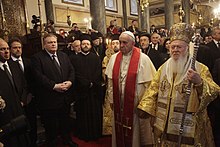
column 111, row 5
column 77, row 2
column 133, row 7
column 157, row 11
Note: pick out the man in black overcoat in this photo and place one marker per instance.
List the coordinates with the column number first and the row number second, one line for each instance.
column 88, row 90
column 54, row 76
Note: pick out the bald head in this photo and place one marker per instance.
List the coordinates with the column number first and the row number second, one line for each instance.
column 4, row 51
column 155, row 38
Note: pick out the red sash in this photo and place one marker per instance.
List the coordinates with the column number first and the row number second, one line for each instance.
column 124, row 118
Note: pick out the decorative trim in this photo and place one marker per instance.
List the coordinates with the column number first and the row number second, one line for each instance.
column 74, row 2
column 111, row 5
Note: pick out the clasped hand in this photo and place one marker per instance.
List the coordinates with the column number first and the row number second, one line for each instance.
column 62, row 87
column 2, row 103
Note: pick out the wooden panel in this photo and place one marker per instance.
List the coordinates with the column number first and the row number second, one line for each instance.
column 158, row 21
column 76, row 16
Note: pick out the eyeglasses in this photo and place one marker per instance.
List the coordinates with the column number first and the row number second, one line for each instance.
column 4, row 48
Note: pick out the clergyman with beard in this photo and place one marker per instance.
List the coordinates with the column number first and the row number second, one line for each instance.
column 165, row 98
column 88, row 104
column 107, row 111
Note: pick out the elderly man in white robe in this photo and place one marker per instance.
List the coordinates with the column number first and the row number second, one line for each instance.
column 129, row 73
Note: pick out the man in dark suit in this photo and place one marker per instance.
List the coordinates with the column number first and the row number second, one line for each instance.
column 133, row 28
column 12, row 90
column 54, row 77
column 153, row 54
column 15, row 45
column 155, row 42
column 216, row 104
column 213, row 108
column 214, row 46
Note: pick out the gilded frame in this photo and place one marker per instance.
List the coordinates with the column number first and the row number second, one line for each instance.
column 75, row 2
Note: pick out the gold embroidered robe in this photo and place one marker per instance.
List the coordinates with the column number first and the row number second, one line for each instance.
column 165, row 100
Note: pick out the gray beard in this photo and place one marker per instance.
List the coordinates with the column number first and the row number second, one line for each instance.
column 178, row 66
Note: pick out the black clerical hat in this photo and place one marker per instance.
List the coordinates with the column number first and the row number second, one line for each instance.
column 115, row 37
column 85, row 37
column 144, row 34
column 94, row 36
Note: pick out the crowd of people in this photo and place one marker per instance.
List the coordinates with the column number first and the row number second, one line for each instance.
column 133, row 87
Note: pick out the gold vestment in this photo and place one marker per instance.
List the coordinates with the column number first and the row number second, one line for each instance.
column 165, row 100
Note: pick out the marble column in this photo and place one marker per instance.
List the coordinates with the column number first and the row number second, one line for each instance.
column 97, row 12
column 144, row 19
column 125, row 17
column 169, row 8
column 186, row 8
column 49, row 9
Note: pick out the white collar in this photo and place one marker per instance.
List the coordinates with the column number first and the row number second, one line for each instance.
column 51, row 54
column 85, row 53
column 15, row 59
column 1, row 65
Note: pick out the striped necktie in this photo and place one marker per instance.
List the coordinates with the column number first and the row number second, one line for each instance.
column 8, row 74
column 56, row 64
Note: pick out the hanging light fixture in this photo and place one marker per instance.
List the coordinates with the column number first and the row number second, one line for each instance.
column 69, row 22
column 143, row 4
column 217, row 12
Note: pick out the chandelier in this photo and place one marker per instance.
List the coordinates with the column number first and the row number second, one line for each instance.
column 217, row 12
column 143, row 4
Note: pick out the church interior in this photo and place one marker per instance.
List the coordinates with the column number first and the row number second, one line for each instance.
column 31, row 19
column 19, row 17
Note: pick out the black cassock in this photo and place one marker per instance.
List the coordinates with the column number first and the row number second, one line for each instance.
column 88, row 97
column 12, row 110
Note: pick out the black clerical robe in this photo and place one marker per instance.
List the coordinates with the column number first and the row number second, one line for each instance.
column 87, row 94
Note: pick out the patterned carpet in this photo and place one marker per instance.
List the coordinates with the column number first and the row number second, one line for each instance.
column 102, row 142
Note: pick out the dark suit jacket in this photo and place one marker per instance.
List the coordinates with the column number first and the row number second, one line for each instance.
column 46, row 76
column 155, row 57
column 214, row 53
column 19, row 80
column 216, row 71
column 131, row 29
column 9, row 94
column 203, row 56
column 13, row 107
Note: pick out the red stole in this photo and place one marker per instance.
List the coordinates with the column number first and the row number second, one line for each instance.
column 124, row 118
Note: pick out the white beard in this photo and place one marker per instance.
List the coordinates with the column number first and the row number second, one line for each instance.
column 178, row 66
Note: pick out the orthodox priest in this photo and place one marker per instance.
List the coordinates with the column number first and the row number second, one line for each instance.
column 88, row 104
column 129, row 73
column 166, row 96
